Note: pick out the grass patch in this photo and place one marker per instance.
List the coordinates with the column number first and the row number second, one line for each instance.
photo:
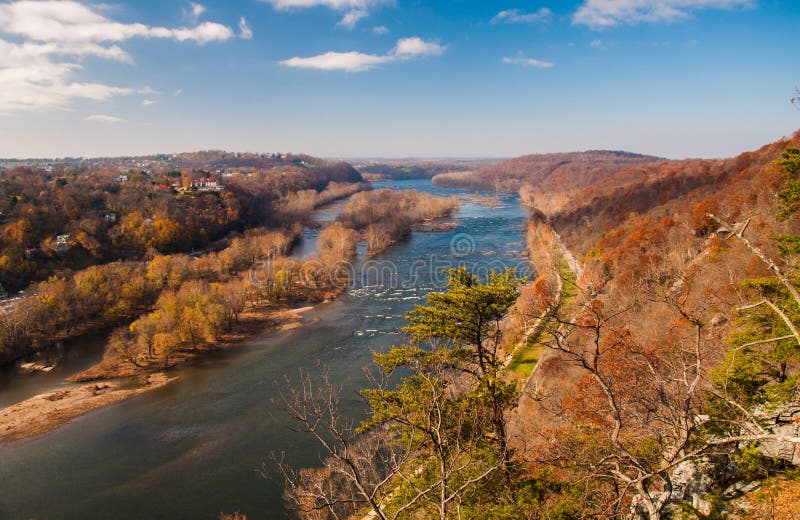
column 527, row 356
column 569, row 289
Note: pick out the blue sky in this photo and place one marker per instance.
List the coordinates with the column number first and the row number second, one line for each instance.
column 355, row 78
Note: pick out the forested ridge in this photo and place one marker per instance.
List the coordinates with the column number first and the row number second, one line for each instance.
column 671, row 348
column 553, row 173
column 75, row 216
column 666, row 369
column 416, row 169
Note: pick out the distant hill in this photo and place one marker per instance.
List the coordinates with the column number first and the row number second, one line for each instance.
column 668, row 188
column 204, row 159
column 551, row 173
column 416, row 169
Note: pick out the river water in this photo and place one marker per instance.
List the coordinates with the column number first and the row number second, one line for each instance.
column 192, row 449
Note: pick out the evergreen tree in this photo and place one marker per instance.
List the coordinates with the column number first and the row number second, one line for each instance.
column 466, row 320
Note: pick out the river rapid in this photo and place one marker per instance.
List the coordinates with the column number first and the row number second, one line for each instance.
column 193, row 448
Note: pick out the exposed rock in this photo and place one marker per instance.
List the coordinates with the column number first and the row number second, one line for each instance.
column 740, row 488
column 691, row 481
column 786, row 451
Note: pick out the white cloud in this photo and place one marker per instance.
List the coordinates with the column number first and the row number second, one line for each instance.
column 380, row 30
column 406, row 48
column 11, row 53
column 351, row 18
column 102, row 118
column 245, row 32
column 336, row 5
column 347, row 61
column 416, row 46
column 356, row 10
column 529, row 62
column 516, row 16
column 601, row 14
column 38, row 71
column 148, row 102
column 70, row 21
column 193, row 12
column 30, row 77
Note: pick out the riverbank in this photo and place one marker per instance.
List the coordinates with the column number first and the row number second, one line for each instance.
column 51, row 410
column 251, row 323
column 114, row 380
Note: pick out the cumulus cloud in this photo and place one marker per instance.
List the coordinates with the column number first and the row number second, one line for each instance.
column 405, row 49
column 148, row 102
column 529, row 62
column 245, row 32
column 601, row 14
column 380, row 30
column 37, row 72
column 356, row 10
column 102, row 118
column 416, row 46
column 517, row 16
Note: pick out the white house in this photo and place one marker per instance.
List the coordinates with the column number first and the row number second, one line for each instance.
column 207, row 185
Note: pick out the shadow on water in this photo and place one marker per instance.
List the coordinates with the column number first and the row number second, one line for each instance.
column 68, row 359
column 192, row 449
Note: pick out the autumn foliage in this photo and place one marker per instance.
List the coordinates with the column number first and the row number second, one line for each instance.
column 384, row 217
column 76, row 216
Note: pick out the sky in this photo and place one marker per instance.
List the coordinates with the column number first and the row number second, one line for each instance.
column 397, row 78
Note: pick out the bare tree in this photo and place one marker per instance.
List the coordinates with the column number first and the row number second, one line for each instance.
column 421, row 451
column 645, row 405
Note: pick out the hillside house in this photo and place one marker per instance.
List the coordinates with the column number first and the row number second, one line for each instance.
column 63, row 242
column 207, row 185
